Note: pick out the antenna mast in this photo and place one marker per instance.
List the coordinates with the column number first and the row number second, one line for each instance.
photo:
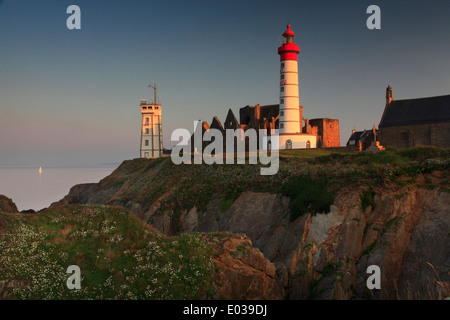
column 155, row 92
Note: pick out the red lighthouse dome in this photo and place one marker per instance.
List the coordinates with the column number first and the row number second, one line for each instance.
column 288, row 31
column 288, row 50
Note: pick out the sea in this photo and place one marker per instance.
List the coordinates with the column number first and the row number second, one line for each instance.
column 30, row 189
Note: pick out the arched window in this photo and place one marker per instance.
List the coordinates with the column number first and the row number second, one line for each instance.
column 289, row 144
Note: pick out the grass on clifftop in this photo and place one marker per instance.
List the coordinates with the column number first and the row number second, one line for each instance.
column 172, row 189
column 119, row 256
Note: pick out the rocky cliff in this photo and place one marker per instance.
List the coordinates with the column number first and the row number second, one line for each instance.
column 7, row 205
column 326, row 255
column 393, row 214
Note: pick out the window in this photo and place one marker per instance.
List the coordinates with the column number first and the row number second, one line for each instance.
column 147, row 121
column 282, row 77
column 289, row 144
column 282, row 65
column 308, row 144
column 282, row 113
column 282, row 89
column 281, row 100
column 147, row 131
column 282, row 126
column 146, row 143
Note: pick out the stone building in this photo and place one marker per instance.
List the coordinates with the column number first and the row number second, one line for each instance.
column 362, row 140
column 415, row 122
column 327, row 132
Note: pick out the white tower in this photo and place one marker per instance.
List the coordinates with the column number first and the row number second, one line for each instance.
column 289, row 97
column 151, row 129
column 290, row 117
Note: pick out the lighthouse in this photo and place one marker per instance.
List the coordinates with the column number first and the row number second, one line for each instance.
column 290, row 116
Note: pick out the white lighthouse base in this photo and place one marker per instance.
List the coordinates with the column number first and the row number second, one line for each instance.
column 297, row 141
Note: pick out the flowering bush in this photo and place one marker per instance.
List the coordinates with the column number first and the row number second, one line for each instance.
column 119, row 257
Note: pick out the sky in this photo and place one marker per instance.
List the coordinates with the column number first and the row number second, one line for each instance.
column 71, row 97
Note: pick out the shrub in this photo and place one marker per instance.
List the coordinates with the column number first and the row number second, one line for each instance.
column 225, row 203
column 307, row 195
column 422, row 153
column 367, row 199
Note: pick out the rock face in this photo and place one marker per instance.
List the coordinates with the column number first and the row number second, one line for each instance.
column 326, row 256
column 7, row 205
column 244, row 273
column 321, row 256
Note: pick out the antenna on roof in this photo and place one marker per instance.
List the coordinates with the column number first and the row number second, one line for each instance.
column 155, row 92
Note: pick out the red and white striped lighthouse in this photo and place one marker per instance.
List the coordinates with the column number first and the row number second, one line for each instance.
column 291, row 135
column 290, row 118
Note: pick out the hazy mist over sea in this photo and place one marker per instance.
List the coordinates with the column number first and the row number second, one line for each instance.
column 30, row 189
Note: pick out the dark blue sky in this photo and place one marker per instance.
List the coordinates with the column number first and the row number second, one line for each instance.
column 71, row 97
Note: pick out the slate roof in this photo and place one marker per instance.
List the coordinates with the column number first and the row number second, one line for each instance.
column 216, row 124
column 355, row 136
column 361, row 136
column 231, row 121
column 416, row 111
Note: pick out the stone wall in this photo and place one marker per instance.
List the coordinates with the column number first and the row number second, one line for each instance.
column 328, row 132
column 416, row 135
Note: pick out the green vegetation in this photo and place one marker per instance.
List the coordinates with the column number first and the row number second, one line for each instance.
column 367, row 199
column 331, row 268
column 240, row 250
column 307, row 195
column 391, row 163
column 318, row 154
column 301, row 272
column 393, row 224
column 119, row 256
column 181, row 187
column 225, row 203
column 369, row 248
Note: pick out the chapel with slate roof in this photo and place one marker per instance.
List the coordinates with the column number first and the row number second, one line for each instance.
column 415, row 122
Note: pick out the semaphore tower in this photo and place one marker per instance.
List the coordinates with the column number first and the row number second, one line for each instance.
column 151, row 128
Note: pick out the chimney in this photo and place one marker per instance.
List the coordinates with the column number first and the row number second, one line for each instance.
column 389, row 95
